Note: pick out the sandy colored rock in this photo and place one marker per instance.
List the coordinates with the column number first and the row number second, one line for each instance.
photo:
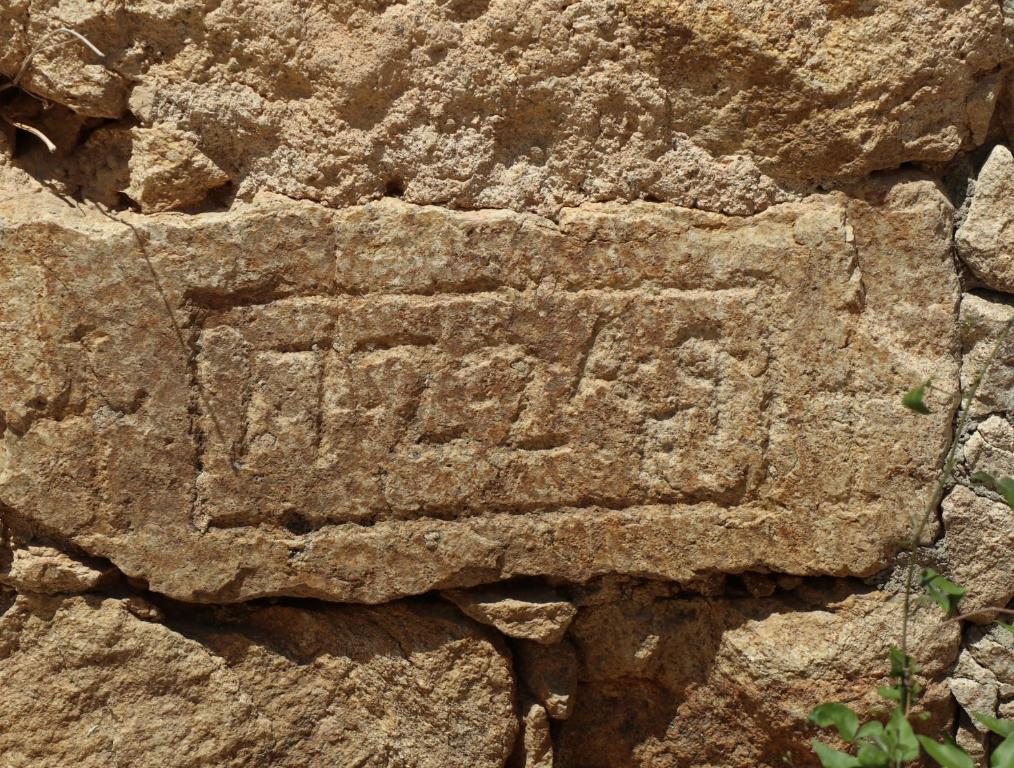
column 88, row 683
column 974, row 743
column 528, row 613
column 978, row 541
column 989, row 448
column 49, row 571
column 983, row 678
column 718, row 104
column 549, row 673
column 728, row 683
column 393, row 398
column 982, row 321
column 167, row 170
column 985, row 241
column 536, row 741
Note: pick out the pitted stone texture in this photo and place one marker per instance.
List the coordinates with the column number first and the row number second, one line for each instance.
column 390, row 399
column 717, row 104
column 529, row 613
column 979, row 537
column 535, row 743
column 983, row 319
column 167, row 170
column 729, row 683
column 549, row 673
column 49, row 571
column 985, row 240
column 87, row 683
column 983, row 678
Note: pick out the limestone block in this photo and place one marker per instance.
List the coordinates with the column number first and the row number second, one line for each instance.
column 88, row 683
column 718, row 104
column 393, row 398
column 985, row 240
column 730, row 682
column 979, row 537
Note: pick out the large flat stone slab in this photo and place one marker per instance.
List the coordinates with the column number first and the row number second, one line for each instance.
column 392, row 398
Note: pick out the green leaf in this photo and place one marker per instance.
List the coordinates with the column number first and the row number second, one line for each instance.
column 1002, row 728
column 1005, row 625
column 1005, row 486
column 913, row 399
column 984, row 478
column 1003, row 755
column 833, row 758
column 947, row 755
column 899, row 735
column 890, row 692
column 838, row 715
column 872, row 756
column 871, row 731
column 941, row 590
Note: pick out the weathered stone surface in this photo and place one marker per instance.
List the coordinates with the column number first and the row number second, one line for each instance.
column 982, row 321
column 392, row 398
column 529, row 613
column 87, row 683
column 990, row 447
column 719, row 104
column 979, row 540
column 983, row 678
column 730, row 682
column 363, row 299
column 167, row 170
column 536, row 740
column 48, row 571
column 985, row 240
column 550, row 674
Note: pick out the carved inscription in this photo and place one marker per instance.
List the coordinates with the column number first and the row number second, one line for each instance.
column 394, row 407
column 382, row 400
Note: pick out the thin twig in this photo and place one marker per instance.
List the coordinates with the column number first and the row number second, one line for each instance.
column 41, row 46
column 35, row 132
column 15, row 82
column 981, row 612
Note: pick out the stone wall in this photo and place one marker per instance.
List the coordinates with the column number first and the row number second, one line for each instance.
column 485, row 383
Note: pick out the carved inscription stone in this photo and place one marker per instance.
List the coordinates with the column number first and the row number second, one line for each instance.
column 387, row 399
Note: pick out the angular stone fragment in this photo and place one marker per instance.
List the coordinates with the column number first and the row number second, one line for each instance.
column 392, row 398
column 979, row 540
column 974, row 743
column 975, row 688
column 730, row 682
column 64, row 70
column 982, row 321
column 720, row 104
column 550, row 674
column 49, row 571
column 87, row 683
column 536, row 614
column 167, row 170
column 990, row 447
column 983, row 678
column 985, row 241
column 535, row 741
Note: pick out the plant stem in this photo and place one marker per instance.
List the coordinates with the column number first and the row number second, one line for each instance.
column 940, row 487
column 981, row 612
